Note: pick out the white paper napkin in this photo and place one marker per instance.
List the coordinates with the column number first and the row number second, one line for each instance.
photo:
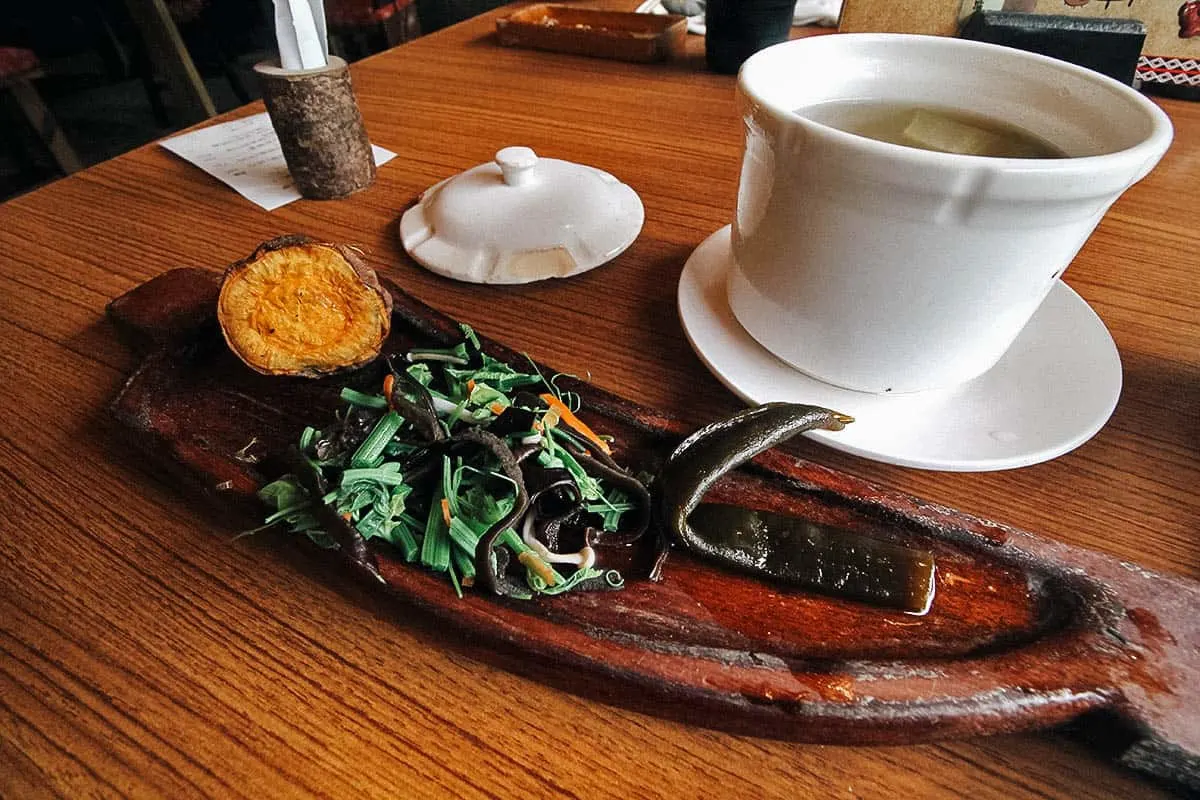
column 300, row 33
column 245, row 154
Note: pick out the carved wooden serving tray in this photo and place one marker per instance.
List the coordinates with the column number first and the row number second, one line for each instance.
column 1023, row 632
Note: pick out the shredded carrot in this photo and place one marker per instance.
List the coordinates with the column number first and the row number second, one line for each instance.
column 568, row 416
column 531, row 560
column 496, row 408
column 470, row 385
column 389, row 383
column 446, row 510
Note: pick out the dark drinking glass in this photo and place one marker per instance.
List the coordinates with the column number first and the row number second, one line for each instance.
column 737, row 29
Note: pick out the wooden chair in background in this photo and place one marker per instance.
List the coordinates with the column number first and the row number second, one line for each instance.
column 19, row 68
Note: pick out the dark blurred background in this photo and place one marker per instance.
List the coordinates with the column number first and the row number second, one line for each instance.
column 82, row 81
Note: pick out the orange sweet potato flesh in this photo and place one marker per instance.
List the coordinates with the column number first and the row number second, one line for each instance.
column 297, row 306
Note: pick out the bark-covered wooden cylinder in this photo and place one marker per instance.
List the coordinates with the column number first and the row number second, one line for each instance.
column 319, row 127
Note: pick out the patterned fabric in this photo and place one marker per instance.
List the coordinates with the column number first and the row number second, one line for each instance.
column 1176, row 71
column 361, row 13
column 15, row 60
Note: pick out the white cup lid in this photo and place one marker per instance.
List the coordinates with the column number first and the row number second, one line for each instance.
column 521, row 218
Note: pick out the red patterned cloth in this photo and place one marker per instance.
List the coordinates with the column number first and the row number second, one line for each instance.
column 1189, row 19
column 361, row 13
column 15, row 60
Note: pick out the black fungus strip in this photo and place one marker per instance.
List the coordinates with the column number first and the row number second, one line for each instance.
column 419, row 413
column 632, row 487
column 513, row 419
column 554, row 498
column 351, row 544
column 485, row 567
column 347, row 434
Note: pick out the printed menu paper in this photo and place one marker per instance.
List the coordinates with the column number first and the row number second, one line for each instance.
column 245, row 154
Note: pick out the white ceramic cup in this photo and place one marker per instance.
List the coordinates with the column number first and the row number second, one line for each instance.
column 883, row 268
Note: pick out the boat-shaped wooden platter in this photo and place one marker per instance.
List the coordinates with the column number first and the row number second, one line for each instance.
column 1023, row 632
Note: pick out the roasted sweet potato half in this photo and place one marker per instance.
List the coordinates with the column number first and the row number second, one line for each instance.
column 297, row 306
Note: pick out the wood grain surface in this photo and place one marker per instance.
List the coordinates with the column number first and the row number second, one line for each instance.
column 144, row 654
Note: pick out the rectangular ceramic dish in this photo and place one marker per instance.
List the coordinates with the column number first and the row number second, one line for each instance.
column 621, row 35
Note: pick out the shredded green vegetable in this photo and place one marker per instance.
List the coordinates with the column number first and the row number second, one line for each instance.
column 372, row 447
column 382, row 479
column 365, row 400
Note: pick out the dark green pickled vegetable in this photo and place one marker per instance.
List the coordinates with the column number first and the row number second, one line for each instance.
column 819, row 557
column 784, row 549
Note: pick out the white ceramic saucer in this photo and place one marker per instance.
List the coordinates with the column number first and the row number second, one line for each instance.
column 1051, row 392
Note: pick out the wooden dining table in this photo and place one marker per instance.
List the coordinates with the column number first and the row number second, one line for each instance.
column 146, row 653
